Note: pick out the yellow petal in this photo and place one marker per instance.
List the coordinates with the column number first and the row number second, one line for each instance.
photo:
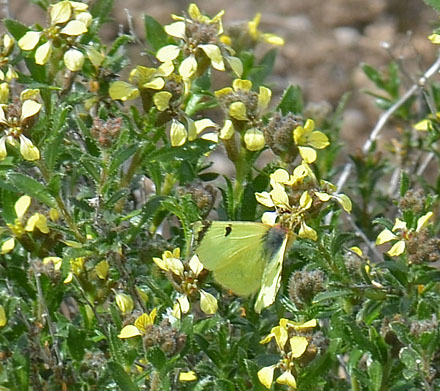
column 156, row 83
column 129, row 331
column 187, row 376
column 124, row 302
column 254, row 139
column 273, row 39
column 56, row 261
column 29, row 40
column 195, row 265
column 74, row 28
column 3, row 152
column 162, row 100
column 423, row 221
column 204, row 123
column 29, row 93
column 287, row 379
column 102, row 269
column 302, row 326
column 74, row 60
column 240, row 84
column 142, row 322
column 69, row 278
column 188, row 67
column 183, row 304
column 345, row 202
column 318, row 140
column 215, row 55
column 324, row 197
column 397, row 249
column 424, row 125
column 281, row 336
column 60, row 12
column 7, row 246
column 308, row 154
column 22, row 205
column 265, row 199
column 208, row 303
column 39, row 221
column 434, row 38
column 78, row 6
column 265, row 375
column 307, row 232
column 4, row 93
column 280, row 175
column 29, row 109
column 176, row 29
column 28, row 150
column 269, row 218
column 178, row 134
column 227, row 131
column 175, row 265
column 43, row 53
column 237, row 110
column 85, row 17
column 168, row 53
column 165, row 69
column 123, row 91
column 263, row 99
column 95, row 56
column 298, row 346
column 3, row 319
column 235, row 64
column 385, row 236
column 210, row 137
column 306, row 200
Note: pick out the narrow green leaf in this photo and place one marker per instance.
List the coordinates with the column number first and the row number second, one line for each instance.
column 101, row 10
column 155, row 33
column 75, row 343
column 53, row 146
column 404, row 183
column 259, row 74
column 331, row 295
column 156, row 357
column 375, row 373
column 374, row 75
column 7, row 206
column 121, row 378
column 16, row 29
column 121, row 156
column 32, row 188
column 292, row 101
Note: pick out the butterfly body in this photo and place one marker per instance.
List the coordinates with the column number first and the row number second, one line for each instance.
column 245, row 257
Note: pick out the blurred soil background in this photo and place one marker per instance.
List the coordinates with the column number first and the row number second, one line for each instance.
column 326, row 41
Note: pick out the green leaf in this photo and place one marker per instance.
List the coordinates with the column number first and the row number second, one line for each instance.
column 7, row 206
column 331, row 295
column 374, row 75
column 156, row 357
column 292, row 101
column 434, row 4
column 16, row 29
column 121, row 156
column 404, row 183
column 155, row 33
column 121, row 378
column 32, row 188
column 101, row 10
column 375, row 373
column 259, row 74
column 75, row 343
column 53, row 144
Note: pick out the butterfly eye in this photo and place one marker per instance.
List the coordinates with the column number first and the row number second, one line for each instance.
column 228, row 230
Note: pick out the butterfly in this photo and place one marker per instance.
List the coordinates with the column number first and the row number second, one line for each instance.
column 245, row 257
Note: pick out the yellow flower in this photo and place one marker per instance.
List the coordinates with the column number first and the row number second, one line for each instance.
column 257, row 35
column 399, row 233
column 76, row 268
column 20, row 227
column 307, row 139
column 3, row 318
column 14, row 127
column 434, row 38
column 124, row 303
column 187, row 376
column 240, row 93
column 187, row 282
column 196, row 46
column 290, row 347
column 140, row 325
column 67, row 18
column 179, row 133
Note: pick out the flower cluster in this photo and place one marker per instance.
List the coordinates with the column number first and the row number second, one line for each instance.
column 296, row 197
column 292, row 340
column 400, row 234
column 185, row 278
column 68, row 21
column 199, row 44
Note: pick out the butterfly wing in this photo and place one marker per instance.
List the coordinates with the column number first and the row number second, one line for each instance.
column 271, row 279
column 234, row 251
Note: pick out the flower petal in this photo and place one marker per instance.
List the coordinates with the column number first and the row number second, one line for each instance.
column 43, row 53
column 178, row 134
column 385, row 236
column 423, row 221
column 7, row 246
column 129, row 331
column 74, row 28
column 187, row 376
column 28, row 150
column 123, row 91
column 227, row 131
column 265, row 375
column 60, row 12
column 397, row 249
column 162, row 99
column 254, row 139
column 298, row 346
column 29, row 40
column 74, row 60
column 168, row 53
column 308, row 154
column 176, row 29
column 188, row 67
column 215, row 55
column 208, row 303
column 22, row 205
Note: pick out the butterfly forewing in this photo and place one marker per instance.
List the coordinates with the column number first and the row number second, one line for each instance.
column 235, row 252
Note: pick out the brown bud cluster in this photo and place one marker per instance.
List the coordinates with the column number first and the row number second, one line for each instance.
column 413, row 200
column 278, row 134
column 106, row 131
column 304, row 285
column 422, row 247
column 203, row 196
column 170, row 340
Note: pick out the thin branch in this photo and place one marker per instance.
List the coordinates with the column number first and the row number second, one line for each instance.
column 383, row 119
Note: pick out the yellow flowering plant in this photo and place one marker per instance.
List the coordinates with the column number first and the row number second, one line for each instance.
column 178, row 220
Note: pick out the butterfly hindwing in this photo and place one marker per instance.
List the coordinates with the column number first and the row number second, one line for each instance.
column 234, row 251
